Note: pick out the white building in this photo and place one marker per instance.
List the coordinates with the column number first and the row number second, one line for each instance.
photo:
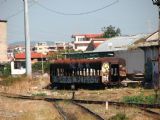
column 41, row 47
column 19, row 49
column 81, row 41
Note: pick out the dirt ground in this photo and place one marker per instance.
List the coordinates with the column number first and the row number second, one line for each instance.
column 12, row 109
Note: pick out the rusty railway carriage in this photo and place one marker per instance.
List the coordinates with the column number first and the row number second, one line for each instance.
column 87, row 72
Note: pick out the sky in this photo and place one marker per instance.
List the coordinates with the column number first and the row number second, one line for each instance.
column 58, row 20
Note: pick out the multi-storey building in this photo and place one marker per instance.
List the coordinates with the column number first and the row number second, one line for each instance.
column 41, row 47
column 81, row 41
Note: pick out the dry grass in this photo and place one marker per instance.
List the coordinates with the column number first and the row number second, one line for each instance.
column 27, row 110
column 131, row 113
column 25, row 86
column 113, row 94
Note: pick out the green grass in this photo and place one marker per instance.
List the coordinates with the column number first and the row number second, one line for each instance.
column 140, row 99
column 39, row 94
column 119, row 116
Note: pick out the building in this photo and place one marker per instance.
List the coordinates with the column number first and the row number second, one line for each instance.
column 19, row 49
column 18, row 64
column 150, row 47
column 81, row 41
column 3, row 41
column 121, row 46
column 95, row 42
column 41, row 47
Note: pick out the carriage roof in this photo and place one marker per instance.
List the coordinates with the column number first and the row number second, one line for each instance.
column 112, row 60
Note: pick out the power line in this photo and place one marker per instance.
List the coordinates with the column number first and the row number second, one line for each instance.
column 81, row 13
column 18, row 12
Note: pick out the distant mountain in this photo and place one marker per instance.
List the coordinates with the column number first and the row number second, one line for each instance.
column 22, row 43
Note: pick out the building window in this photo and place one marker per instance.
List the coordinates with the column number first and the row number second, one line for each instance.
column 19, row 64
column 81, row 39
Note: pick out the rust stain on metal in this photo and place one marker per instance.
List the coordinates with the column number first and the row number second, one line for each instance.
column 99, row 60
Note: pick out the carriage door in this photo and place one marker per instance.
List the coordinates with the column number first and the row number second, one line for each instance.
column 114, row 72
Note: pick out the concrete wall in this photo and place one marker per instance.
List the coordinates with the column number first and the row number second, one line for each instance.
column 134, row 60
column 19, row 71
column 3, row 41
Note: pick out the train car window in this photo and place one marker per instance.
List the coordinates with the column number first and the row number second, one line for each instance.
column 115, row 72
column 112, row 71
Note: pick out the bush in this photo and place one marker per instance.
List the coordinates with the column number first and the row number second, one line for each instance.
column 119, row 116
column 5, row 70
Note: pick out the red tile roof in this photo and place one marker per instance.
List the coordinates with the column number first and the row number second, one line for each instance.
column 99, row 39
column 89, row 35
column 33, row 55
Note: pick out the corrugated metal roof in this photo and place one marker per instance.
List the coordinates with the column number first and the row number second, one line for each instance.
column 118, row 43
column 150, row 40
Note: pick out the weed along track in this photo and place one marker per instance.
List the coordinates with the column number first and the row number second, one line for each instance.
column 70, row 109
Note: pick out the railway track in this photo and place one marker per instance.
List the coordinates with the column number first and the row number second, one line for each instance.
column 54, row 101
column 50, row 98
column 89, row 111
column 69, row 115
column 143, row 107
column 60, row 111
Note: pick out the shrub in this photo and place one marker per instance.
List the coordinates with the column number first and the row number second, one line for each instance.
column 5, row 70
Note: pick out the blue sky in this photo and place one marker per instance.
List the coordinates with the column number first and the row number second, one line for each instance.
column 131, row 16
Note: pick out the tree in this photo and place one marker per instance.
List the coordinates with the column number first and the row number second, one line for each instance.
column 111, row 31
column 37, row 67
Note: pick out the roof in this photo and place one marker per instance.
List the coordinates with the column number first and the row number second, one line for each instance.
column 99, row 39
column 33, row 55
column 99, row 60
column 151, row 40
column 118, row 43
column 3, row 20
column 89, row 35
column 152, row 37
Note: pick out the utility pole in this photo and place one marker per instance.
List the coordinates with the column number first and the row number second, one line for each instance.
column 157, row 2
column 42, row 63
column 27, row 40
